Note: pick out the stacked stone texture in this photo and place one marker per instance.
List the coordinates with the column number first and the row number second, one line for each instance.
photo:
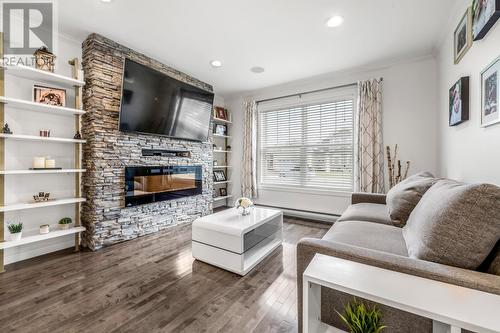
column 108, row 151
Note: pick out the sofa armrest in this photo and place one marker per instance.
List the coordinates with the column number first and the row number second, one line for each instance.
column 360, row 197
column 308, row 247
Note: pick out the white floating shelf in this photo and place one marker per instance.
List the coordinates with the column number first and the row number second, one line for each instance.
column 222, row 121
column 34, row 172
column 222, row 136
column 223, row 198
column 43, row 76
column 23, row 206
column 222, row 151
column 221, row 166
column 33, row 236
column 23, row 137
column 224, row 182
column 39, row 107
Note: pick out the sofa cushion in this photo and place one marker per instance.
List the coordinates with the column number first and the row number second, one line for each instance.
column 455, row 224
column 402, row 198
column 366, row 212
column 375, row 236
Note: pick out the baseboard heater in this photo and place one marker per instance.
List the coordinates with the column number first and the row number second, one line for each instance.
column 306, row 214
column 166, row 153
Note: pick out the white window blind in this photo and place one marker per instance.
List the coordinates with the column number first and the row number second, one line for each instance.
column 308, row 143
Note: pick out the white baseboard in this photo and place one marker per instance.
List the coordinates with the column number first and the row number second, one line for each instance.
column 325, row 218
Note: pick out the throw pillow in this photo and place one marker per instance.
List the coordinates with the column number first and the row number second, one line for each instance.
column 455, row 224
column 402, row 198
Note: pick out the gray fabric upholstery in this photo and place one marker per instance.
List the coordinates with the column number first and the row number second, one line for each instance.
column 369, row 235
column 455, row 224
column 494, row 264
column 308, row 247
column 366, row 212
column 361, row 197
column 402, row 198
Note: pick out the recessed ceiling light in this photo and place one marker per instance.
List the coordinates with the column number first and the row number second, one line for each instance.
column 106, row 1
column 216, row 63
column 335, row 21
column 257, row 69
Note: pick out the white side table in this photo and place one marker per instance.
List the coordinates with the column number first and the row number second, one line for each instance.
column 452, row 308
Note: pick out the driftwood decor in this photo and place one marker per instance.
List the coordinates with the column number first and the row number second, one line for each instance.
column 394, row 167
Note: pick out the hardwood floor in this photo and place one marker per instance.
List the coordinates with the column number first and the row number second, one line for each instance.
column 151, row 284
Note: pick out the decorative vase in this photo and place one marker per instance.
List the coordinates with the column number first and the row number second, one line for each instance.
column 244, row 204
column 16, row 237
column 64, row 226
column 245, row 211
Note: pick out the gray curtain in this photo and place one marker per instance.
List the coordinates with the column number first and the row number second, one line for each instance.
column 249, row 163
column 369, row 161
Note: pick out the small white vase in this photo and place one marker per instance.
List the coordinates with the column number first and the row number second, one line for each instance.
column 16, row 237
column 64, row 226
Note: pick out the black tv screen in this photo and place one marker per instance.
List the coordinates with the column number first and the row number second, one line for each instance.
column 155, row 103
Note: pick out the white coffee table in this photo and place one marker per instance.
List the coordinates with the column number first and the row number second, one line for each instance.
column 234, row 242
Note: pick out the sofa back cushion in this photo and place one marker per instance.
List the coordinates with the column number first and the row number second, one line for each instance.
column 455, row 224
column 402, row 198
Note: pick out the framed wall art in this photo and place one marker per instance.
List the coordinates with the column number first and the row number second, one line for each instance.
column 459, row 102
column 485, row 13
column 462, row 36
column 489, row 94
column 48, row 95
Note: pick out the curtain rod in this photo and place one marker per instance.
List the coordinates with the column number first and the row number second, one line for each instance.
column 310, row 92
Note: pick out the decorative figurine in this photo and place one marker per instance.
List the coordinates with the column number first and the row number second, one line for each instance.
column 6, row 129
column 44, row 59
column 77, row 136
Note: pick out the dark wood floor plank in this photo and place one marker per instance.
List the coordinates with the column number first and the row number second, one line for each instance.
column 152, row 284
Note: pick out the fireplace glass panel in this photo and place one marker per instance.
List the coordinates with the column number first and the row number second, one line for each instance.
column 151, row 184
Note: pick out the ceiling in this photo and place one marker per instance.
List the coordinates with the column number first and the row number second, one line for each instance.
column 288, row 38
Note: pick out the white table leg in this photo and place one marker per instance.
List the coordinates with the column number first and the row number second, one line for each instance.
column 312, row 307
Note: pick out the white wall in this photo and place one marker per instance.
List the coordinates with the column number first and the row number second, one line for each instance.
column 19, row 155
column 409, row 119
column 468, row 152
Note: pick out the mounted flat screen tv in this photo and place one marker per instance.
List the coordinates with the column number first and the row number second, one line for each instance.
column 154, row 103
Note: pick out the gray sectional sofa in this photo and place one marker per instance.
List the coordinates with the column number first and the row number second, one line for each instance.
column 367, row 233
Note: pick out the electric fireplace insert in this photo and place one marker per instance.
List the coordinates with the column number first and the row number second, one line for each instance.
column 145, row 185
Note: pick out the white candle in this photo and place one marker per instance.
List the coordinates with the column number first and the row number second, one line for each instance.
column 38, row 162
column 44, row 229
column 50, row 163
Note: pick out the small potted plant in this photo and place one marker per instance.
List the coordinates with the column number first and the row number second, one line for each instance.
column 359, row 318
column 64, row 223
column 16, row 231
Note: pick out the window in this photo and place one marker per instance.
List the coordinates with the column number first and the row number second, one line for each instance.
column 306, row 141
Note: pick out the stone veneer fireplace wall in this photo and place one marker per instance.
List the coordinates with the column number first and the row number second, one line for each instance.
column 108, row 151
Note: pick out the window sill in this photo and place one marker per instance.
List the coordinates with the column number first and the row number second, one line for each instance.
column 333, row 193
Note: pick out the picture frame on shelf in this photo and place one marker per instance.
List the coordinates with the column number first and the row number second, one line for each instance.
column 462, row 37
column 220, row 129
column 219, row 176
column 49, row 95
column 485, row 14
column 223, row 192
column 459, row 102
column 220, row 113
column 490, row 92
